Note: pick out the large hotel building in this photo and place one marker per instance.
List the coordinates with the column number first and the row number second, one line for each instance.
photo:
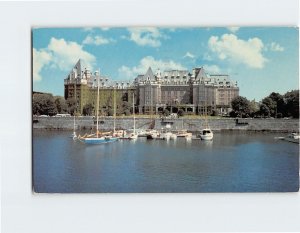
column 194, row 92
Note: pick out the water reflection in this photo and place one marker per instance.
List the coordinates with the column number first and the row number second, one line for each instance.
column 229, row 163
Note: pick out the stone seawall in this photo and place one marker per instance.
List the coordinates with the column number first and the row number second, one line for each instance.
column 82, row 123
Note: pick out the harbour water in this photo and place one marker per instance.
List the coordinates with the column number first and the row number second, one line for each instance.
column 232, row 162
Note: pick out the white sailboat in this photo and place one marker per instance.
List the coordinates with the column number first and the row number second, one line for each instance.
column 206, row 133
column 74, row 135
column 97, row 138
column 133, row 135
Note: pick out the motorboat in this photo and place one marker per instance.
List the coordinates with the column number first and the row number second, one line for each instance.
column 119, row 133
column 293, row 137
column 132, row 136
column 153, row 134
column 183, row 133
column 206, row 134
column 168, row 136
column 142, row 133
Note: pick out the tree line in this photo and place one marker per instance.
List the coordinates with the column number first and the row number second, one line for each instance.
column 274, row 105
column 47, row 104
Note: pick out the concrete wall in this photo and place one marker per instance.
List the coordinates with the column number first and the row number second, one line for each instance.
column 66, row 123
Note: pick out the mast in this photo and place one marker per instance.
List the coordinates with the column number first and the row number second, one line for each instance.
column 74, row 125
column 97, row 107
column 114, row 109
column 133, row 110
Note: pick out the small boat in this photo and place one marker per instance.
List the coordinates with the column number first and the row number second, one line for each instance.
column 167, row 135
column 293, row 137
column 142, row 133
column 93, row 139
column 98, row 137
column 133, row 135
column 153, row 134
column 183, row 133
column 206, row 134
column 74, row 135
column 119, row 133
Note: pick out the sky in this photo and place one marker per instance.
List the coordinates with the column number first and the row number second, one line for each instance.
column 261, row 59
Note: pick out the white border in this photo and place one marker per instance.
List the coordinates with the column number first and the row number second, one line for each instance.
column 24, row 212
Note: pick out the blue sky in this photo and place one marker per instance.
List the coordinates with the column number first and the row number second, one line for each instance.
column 260, row 59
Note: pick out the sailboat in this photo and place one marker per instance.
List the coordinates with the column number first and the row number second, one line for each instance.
column 74, row 135
column 114, row 136
column 133, row 135
column 206, row 133
column 97, row 138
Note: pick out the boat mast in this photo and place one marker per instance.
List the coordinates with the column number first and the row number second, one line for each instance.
column 74, row 125
column 97, row 107
column 133, row 111
column 114, row 110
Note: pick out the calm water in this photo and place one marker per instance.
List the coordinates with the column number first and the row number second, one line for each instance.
column 233, row 162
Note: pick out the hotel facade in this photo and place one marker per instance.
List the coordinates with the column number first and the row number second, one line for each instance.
column 195, row 92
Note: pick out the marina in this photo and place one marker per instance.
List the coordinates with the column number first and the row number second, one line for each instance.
column 231, row 162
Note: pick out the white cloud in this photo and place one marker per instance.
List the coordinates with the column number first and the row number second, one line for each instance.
column 145, row 63
column 212, row 69
column 233, row 29
column 189, row 55
column 60, row 54
column 97, row 40
column 66, row 53
column 230, row 47
column 275, row 47
column 207, row 57
column 149, row 36
column 40, row 59
column 104, row 28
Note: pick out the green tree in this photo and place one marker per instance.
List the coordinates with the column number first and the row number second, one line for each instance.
column 240, row 106
column 280, row 105
column 292, row 103
column 215, row 112
column 264, row 110
column 126, row 106
column 254, row 108
column 61, row 104
column 110, row 112
column 71, row 105
column 126, row 112
column 166, row 112
column 43, row 104
column 180, row 113
column 88, row 110
column 271, row 104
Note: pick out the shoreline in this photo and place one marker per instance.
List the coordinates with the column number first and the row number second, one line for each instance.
column 267, row 125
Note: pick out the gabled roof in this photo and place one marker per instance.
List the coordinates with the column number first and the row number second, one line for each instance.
column 149, row 75
column 78, row 67
column 201, row 74
column 76, row 70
